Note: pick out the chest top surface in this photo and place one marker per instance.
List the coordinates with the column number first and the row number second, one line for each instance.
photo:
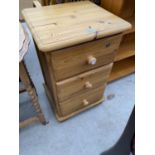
column 57, row 26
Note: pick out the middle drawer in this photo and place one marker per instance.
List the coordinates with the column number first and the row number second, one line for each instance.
column 83, row 82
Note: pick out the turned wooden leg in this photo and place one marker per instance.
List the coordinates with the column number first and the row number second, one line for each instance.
column 29, row 86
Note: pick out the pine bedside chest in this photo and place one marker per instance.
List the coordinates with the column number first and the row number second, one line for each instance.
column 76, row 44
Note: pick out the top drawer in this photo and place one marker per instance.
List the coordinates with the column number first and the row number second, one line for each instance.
column 77, row 59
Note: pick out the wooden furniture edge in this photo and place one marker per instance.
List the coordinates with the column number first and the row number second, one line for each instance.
column 28, row 121
column 126, row 70
column 44, row 60
column 122, row 76
column 126, row 49
column 31, row 90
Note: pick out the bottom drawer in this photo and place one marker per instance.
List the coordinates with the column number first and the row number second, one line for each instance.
column 81, row 101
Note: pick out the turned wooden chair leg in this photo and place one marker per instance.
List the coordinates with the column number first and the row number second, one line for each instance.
column 29, row 86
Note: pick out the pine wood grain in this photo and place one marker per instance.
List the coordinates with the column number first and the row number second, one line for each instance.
column 122, row 68
column 28, row 121
column 47, row 71
column 82, row 83
column 122, row 8
column 74, row 60
column 63, row 25
column 76, row 44
column 63, row 118
column 132, row 21
column 127, row 47
column 126, row 10
column 75, row 103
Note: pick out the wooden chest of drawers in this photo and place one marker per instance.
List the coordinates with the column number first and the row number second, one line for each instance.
column 76, row 44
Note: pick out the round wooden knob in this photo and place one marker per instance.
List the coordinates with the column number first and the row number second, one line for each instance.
column 88, row 85
column 91, row 60
column 85, row 102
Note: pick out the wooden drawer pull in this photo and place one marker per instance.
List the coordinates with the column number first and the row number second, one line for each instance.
column 91, row 60
column 88, row 85
column 85, row 102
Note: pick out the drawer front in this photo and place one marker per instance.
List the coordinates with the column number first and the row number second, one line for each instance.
column 82, row 101
column 83, row 82
column 77, row 59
